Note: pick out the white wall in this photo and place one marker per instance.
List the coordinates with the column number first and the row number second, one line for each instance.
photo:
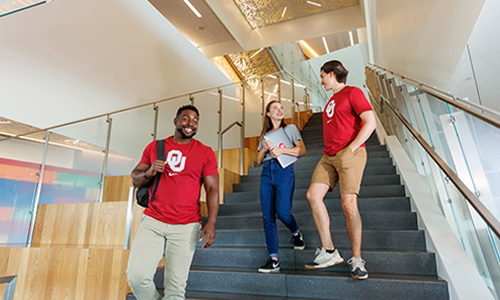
column 71, row 59
column 425, row 39
column 353, row 60
column 480, row 63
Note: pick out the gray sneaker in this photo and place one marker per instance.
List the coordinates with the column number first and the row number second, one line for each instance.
column 358, row 270
column 324, row 259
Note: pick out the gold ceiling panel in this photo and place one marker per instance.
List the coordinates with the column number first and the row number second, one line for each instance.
column 260, row 13
column 250, row 65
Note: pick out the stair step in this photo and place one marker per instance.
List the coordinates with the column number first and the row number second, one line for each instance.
column 311, row 163
column 372, row 239
column 373, row 221
column 303, row 182
column 381, row 262
column 312, row 284
column 306, row 176
column 369, row 170
column 366, row 191
column 249, row 204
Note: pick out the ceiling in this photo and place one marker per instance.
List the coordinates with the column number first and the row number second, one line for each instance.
column 227, row 27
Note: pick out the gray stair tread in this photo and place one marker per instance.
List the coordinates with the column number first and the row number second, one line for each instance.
column 318, row 273
column 378, row 261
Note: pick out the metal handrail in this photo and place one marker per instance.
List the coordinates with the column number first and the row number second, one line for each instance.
column 231, row 126
column 154, row 103
column 10, row 286
column 444, row 96
column 242, row 143
column 485, row 214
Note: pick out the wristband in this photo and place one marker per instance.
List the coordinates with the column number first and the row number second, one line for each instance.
column 147, row 178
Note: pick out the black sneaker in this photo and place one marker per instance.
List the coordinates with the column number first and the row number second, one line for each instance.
column 298, row 241
column 270, row 266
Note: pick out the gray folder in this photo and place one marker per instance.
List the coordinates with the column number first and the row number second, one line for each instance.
column 279, row 138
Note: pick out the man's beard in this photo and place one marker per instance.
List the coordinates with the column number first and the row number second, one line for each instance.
column 183, row 135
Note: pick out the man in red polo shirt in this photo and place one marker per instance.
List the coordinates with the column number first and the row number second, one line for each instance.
column 348, row 121
column 171, row 224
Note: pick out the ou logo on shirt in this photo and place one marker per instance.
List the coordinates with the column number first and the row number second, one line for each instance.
column 281, row 145
column 176, row 161
column 330, row 109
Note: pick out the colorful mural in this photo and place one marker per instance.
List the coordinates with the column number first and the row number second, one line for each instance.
column 17, row 193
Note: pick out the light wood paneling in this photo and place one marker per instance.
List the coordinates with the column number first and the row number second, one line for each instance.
column 66, row 273
column 116, row 188
column 80, row 224
column 252, row 143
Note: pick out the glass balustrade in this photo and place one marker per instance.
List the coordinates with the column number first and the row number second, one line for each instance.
column 465, row 142
column 79, row 158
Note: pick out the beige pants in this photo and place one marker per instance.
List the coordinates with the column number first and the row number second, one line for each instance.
column 156, row 239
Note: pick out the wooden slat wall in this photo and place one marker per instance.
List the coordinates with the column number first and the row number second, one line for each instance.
column 66, row 273
column 116, row 188
column 80, row 224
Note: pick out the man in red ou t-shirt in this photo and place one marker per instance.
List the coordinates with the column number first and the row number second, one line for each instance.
column 171, row 223
column 348, row 121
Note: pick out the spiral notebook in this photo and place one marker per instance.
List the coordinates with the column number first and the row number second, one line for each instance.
column 279, row 138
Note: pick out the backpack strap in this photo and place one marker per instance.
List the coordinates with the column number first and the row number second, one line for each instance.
column 160, row 154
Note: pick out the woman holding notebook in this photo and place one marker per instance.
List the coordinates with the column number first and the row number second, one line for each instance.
column 277, row 183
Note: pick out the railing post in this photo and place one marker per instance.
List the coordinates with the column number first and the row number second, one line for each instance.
column 10, row 286
column 262, row 98
column 220, row 127
column 279, row 88
column 191, row 99
column 105, row 161
column 293, row 101
column 34, row 208
column 130, row 217
column 242, row 141
column 155, row 125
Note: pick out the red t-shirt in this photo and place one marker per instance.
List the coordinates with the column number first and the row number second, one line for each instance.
column 177, row 198
column 341, row 121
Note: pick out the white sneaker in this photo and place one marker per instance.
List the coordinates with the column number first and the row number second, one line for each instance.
column 358, row 270
column 324, row 259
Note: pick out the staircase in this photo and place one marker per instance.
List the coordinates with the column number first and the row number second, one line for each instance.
column 393, row 247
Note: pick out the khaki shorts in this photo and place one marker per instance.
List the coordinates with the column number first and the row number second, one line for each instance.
column 345, row 167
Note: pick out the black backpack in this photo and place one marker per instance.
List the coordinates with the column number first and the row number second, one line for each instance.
column 142, row 194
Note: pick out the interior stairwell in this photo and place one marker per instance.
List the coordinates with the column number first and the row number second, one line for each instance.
column 393, row 247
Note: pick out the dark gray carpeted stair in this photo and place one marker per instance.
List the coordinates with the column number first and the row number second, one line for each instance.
column 393, row 247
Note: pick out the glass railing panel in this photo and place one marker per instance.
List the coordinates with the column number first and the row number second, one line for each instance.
column 480, row 244
column 474, row 144
column 166, row 115
column 208, row 105
column 232, row 112
column 20, row 164
column 131, row 131
column 75, row 160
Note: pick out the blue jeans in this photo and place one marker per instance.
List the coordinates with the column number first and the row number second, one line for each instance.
column 276, row 193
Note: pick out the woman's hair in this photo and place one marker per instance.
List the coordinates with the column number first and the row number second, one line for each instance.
column 337, row 68
column 268, row 124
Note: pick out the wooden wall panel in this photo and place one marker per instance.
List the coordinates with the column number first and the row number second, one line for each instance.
column 66, row 273
column 116, row 188
column 81, row 224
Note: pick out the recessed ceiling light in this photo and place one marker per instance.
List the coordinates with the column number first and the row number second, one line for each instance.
column 284, row 11
column 193, row 9
column 326, row 45
column 314, row 3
